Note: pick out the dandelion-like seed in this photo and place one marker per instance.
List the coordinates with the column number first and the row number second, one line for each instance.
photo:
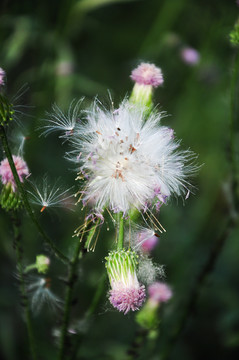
column 59, row 121
column 40, row 292
column 147, row 240
column 47, row 195
column 128, row 162
column 6, row 172
column 126, row 293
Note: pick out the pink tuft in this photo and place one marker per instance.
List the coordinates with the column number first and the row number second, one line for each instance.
column 159, row 292
column 2, row 75
column 147, row 74
column 149, row 244
column 6, row 172
column 190, row 56
column 147, row 241
column 125, row 299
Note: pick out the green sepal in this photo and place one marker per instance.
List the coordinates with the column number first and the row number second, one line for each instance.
column 120, row 263
column 147, row 317
column 9, row 200
column 142, row 95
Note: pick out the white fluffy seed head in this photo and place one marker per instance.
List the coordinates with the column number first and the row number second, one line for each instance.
column 128, row 160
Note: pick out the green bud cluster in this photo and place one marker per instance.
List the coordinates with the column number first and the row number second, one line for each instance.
column 6, row 110
column 9, row 200
column 234, row 34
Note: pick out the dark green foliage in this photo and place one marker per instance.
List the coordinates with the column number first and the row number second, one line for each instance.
column 68, row 49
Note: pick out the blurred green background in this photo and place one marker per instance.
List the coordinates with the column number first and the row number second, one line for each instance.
column 57, row 51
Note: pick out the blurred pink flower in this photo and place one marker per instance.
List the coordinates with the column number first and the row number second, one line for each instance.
column 6, row 172
column 190, row 56
column 2, row 75
column 159, row 292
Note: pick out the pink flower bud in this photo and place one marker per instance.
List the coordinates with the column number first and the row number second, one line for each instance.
column 159, row 292
column 147, row 74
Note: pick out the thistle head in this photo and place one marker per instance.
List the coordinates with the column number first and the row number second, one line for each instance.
column 127, row 160
column 126, row 293
column 146, row 77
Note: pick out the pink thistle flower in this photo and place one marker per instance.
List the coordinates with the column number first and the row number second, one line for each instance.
column 159, row 292
column 126, row 293
column 2, row 75
column 190, row 56
column 126, row 299
column 6, row 172
column 147, row 74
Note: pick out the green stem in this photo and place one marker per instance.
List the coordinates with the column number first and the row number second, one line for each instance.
column 137, row 344
column 68, row 299
column 17, row 236
column 23, row 195
column 120, row 243
column 94, row 303
column 234, row 130
column 97, row 295
column 29, row 268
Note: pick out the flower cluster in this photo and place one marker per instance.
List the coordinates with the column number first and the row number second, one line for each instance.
column 128, row 163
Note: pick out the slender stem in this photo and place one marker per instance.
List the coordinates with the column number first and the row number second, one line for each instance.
column 97, row 295
column 68, row 298
column 23, row 194
column 94, row 303
column 17, row 236
column 234, row 130
column 29, row 268
column 120, row 243
column 137, row 344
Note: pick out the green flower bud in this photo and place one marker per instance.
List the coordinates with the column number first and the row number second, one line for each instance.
column 9, row 199
column 6, row 110
column 42, row 264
